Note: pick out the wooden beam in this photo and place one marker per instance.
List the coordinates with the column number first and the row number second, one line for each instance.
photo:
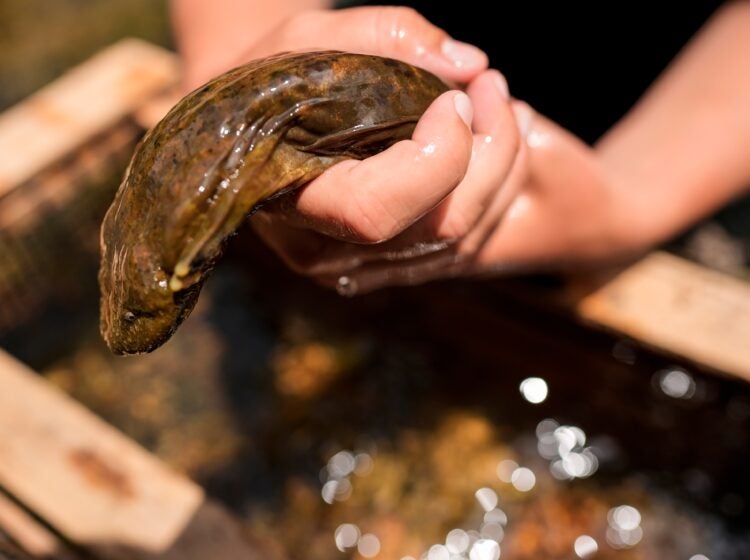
column 28, row 533
column 97, row 487
column 9, row 551
column 82, row 103
column 679, row 307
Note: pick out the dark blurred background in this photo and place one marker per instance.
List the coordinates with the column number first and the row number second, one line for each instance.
column 40, row 39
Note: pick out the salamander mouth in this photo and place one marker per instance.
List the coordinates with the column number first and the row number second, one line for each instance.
column 138, row 331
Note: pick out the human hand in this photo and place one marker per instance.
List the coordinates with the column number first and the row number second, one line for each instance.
column 417, row 207
column 419, row 196
column 572, row 209
column 559, row 206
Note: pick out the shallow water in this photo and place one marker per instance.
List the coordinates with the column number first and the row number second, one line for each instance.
column 272, row 378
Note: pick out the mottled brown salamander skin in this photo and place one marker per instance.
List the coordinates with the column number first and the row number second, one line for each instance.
column 253, row 133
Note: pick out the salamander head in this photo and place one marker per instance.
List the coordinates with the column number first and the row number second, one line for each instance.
column 139, row 310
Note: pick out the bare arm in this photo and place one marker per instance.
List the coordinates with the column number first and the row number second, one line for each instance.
column 681, row 153
column 684, row 150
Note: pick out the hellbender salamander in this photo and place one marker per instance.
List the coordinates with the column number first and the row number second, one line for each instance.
column 256, row 132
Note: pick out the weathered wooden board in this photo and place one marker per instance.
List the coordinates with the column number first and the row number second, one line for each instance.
column 81, row 104
column 9, row 551
column 97, row 487
column 30, row 534
column 86, row 479
column 677, row 306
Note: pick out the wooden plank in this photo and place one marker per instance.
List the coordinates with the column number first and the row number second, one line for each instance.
column 29, row 534
column 50, row 224
column 82, row 103
column 679, row 307
column 9, row 551
column 154, row 109
column 86, row 479
column 97, row 487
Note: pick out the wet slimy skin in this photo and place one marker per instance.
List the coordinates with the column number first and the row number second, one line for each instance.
column 254, row 133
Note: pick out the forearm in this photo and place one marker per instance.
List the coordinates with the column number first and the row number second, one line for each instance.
column 204, row 27
column 684, row 150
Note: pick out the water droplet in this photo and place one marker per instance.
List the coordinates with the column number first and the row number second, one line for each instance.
column 575, row 465
column 585, row 546
column 566, row 440
column 496, row 516
column 341, row 464
column 457, row 541
column 368, row 545
column 505, row 469
column 438, row 552
column 624, row 539
column 523, row 479
column 363, row 464
column 676, row 383
column 487, row 498
column 346, row 286
column 534, row 389
column 493, row 531
column 546, row 426
column 485, row 549
column 328, row 492
column 338, row 490
column 346, row 536
column 624, row 518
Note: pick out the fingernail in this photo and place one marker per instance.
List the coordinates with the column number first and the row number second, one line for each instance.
column 502, row 85
column 524, row 118
column 464, row 108
column 462, row 54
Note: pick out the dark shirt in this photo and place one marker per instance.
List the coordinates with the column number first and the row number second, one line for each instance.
column 581, row 64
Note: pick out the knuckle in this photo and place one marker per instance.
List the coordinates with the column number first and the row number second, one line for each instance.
column 456, row 225
column 406, row 16
column 398, row 27
column 368, row 220
column 468, row 249
column 300, row 25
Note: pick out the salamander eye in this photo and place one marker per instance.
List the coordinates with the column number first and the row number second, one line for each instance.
column 133, row 314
